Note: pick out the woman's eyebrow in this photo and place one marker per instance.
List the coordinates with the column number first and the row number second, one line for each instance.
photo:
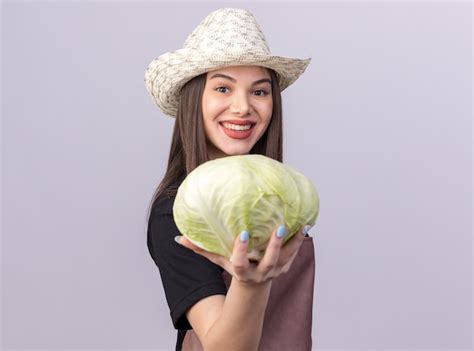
column 220, row 75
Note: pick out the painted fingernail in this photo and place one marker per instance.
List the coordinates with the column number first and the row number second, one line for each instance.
column 281, row 231
column 176, row 238
column 306, row 229
column 244, row 236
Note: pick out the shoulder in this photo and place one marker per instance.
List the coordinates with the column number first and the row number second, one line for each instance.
column 161, row 224
column 163, row 205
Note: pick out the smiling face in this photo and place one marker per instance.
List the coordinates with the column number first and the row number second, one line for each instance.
column 237, row 107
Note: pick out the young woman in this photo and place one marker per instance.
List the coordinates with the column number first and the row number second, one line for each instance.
column 223, row 88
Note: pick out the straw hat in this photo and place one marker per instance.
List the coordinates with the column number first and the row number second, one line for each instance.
column 226, row 37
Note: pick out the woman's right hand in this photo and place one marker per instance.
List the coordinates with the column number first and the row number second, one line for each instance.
column 276, row 260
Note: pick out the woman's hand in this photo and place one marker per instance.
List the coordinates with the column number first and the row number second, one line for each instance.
column 276, row 260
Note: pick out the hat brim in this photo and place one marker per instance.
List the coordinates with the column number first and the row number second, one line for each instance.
column 167, row 74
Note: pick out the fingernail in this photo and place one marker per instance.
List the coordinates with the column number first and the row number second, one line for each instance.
column 306, row 229
column 244, row 236
column 176, row 238
column 281, row 231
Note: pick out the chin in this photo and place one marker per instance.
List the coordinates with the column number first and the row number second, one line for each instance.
column 237, row 151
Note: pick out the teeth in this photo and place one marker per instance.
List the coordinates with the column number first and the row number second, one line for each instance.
column 236, row 127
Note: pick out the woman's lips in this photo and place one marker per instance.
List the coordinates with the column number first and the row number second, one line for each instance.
column 237, row 134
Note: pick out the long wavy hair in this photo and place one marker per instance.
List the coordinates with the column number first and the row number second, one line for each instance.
column 188, row 144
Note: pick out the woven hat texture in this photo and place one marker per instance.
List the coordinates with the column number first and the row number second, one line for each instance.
column 226, row 37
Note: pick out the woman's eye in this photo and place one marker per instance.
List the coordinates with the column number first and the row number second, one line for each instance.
column 264, row 92
column 218, row 89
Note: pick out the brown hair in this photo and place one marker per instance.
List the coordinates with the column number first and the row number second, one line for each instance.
column 188, row 144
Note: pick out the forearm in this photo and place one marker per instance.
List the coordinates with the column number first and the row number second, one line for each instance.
column 240, row 324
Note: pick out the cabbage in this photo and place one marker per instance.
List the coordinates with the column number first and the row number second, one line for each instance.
column 222, row 197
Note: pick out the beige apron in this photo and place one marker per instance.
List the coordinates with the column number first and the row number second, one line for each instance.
column 289, row 315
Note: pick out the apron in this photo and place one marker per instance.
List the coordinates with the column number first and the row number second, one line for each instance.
column 289, row 315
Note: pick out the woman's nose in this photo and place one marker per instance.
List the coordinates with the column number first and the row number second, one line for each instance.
column 240, row 104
